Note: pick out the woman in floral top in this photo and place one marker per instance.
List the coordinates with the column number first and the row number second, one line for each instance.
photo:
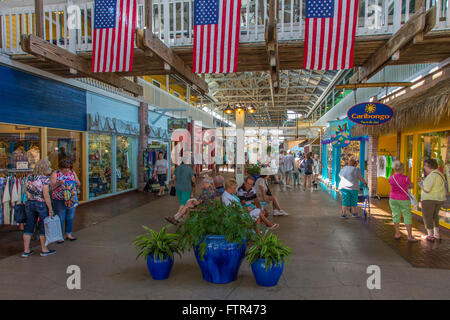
column 58, row 180
column 38, row 206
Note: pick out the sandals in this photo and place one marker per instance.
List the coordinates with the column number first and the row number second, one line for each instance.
column 275, row 226
column 171, row 220
column 397, row 238
column 412, row 240
column 428, row 238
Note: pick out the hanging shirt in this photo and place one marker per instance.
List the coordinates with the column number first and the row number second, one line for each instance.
column 6, row 204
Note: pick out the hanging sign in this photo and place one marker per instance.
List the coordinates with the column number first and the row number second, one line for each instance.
column 174, row 124
column 339, row 134
column 370, row 113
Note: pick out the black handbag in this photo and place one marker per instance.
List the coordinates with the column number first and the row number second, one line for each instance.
column 20, row 215
column 173, row 191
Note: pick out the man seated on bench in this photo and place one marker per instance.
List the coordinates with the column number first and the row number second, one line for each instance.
column 229, row 197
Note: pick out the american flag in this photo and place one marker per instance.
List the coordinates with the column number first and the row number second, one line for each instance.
column 330, row 34
column 114, row 24
column 216, row 35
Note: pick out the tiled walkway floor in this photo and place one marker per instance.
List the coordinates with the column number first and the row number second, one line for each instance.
column 330, row 260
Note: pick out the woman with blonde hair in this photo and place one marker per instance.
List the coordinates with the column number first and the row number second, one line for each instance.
column 38, row 206
column 399, row 200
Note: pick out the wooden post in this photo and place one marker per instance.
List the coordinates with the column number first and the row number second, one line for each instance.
column 399, row 145
column 40, row 22
column 148, row 14
column 143, row 143
column 418, row 4
column 372, row 165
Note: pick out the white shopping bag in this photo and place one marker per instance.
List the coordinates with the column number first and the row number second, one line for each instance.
column 53, row 230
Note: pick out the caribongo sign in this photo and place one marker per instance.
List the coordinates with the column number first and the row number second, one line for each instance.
column 370, row 113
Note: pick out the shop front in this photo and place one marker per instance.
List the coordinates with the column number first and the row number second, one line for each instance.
column 420, row 130
column 32, row 126
column 338, row 147
column 112, row 147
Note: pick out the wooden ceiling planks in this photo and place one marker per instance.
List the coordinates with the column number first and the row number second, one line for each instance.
column 253, row 57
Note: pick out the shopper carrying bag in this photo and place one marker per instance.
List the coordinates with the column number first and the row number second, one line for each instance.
column 400, row 200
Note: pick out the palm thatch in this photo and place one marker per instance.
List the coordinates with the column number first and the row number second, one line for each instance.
column 424, row 108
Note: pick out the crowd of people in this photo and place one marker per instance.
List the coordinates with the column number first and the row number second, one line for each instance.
column 304, row 171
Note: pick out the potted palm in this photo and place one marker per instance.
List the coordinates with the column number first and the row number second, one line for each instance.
column 254, row 170
column 267, row 257
column 218, row 235
column 159, row 249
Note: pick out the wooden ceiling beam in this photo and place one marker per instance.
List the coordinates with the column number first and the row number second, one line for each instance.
column 272, row 49
column 418, row 24
column 147, row 41
column 41, row 48
column 373, row 85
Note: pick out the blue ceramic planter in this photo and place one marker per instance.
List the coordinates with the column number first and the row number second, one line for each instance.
column 222, row 259
column 159, row 269
column 269, row 277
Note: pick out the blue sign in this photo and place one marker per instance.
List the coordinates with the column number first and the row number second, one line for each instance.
column 370, row 113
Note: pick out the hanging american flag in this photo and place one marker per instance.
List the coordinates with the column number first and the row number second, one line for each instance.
column 216, row 35
column 114, row 24
column 330, row 34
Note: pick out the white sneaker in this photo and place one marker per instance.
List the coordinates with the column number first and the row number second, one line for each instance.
column 284, row 213
column 277, row 213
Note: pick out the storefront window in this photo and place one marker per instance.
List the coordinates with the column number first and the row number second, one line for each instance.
column 329, row 160
column 20, row 147
column 350, row 152
column 125, row 163
column 62, row 144
column 436, row 145
column 409, row 155
column 100, row 164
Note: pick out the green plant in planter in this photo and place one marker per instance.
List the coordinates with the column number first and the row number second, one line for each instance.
column 253, row 169
column 161, row 244
column 270, row 248
column 233, row 222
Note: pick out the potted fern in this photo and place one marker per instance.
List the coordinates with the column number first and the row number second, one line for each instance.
column 267, row 257
column 159, row 249
column 218, row 235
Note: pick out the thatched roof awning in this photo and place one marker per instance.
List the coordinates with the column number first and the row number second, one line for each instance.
column 426, row 107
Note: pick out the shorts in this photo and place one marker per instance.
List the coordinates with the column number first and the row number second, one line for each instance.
column 35, row 210
column 255, row 214
column 183, row 197
column 349, row 198
column 401, row 207
column 162, row 179
column 288, row 173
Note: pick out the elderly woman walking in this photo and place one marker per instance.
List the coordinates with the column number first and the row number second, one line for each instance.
column 433, row 196
column 399, row 200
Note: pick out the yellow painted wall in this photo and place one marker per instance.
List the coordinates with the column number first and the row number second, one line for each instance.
column 174, row 87
column 387, row 146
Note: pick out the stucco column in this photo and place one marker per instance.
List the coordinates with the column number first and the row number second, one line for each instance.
column 143, row 142
column 372, row 165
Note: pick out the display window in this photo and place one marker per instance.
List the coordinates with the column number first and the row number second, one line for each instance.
column 435, row 145
column 20, row 147
column 65, row 144
column 100, row 165
column 350, row 152
column 125, row 164
column 409, row 155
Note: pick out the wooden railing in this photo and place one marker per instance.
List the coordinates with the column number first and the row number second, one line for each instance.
column 173, row 21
